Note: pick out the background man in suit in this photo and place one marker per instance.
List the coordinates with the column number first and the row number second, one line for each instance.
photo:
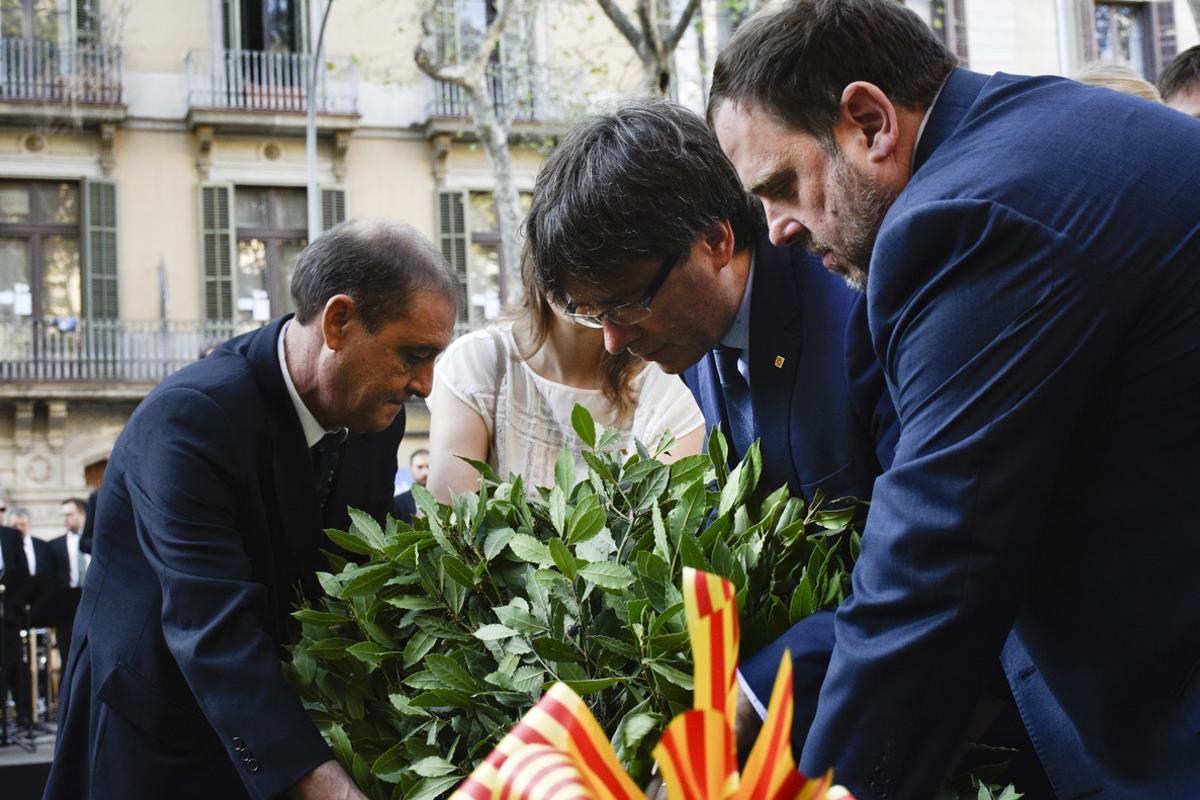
column 404, row 507
column 14, row 575
column 770, row 344
column 1179, row 83
column 69, row 563
column 210, row 520
column 1042, row 348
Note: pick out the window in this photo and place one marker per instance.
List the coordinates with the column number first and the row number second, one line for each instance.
column 272, row 229
column 40, row 272
column 35, row 20
column 470, row 240
column 269, row 26
column 1140, row 35
column 947, row 19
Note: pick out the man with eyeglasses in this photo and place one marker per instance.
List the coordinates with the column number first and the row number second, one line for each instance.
column 640, row 227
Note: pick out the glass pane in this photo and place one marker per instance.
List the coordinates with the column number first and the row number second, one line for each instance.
column 47, row 16
column 483, row 212
column 289, row 251
column 14, row 202
column 281, row 26
column 1119, row 35
column 15, row 277
column 251, row 207
column 12, row 19
column 483, row 282
column 252, row 266
column 62, row 294
column 291, row 209
column 57, row 202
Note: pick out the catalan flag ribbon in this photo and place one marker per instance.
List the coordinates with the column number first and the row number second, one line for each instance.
column 558, row 751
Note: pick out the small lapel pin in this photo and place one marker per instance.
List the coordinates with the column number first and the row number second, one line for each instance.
column 778, row 362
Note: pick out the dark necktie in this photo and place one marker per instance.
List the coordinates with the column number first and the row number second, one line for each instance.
column 325, row 463
column 738, row 409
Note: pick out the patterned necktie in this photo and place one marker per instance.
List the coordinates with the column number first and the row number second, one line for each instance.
column 325, row 463
column 738, row 409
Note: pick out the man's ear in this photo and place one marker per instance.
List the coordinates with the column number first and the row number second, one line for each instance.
column 338, row 316
column 868, row 124
column 718, row 244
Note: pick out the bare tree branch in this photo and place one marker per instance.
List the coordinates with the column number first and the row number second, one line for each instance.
column 685, row 19
column 618, row 18
column 650, row 29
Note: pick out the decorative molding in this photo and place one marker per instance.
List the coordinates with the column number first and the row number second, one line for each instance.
column 440, row 143
column 56, row 430
column 341, row 143
column 108, row 159
column 204, row 145
column 38, row 469
column 23, row 425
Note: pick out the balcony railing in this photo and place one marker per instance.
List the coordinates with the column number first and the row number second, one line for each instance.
column 116, row 351
column 48, row 72
column 518, row 97
column 251, row 80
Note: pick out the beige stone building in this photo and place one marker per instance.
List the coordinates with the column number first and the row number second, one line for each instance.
column 153, row 170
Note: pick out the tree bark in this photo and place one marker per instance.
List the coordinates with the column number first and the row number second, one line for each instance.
column 654, row 50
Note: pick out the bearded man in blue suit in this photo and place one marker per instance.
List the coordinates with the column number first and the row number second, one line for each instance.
column 1030, row 250
column 639, row 225
column 211, row 513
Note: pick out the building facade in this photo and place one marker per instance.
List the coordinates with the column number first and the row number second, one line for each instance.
column 153, row 169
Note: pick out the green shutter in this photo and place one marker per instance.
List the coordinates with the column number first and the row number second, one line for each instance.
column 452, row 236
column 333, row 207
column 101, row 296
column 216, row 251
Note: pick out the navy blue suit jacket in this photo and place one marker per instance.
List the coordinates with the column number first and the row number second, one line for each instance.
column 821, row 407
column 208, row 522
column 1034, row 298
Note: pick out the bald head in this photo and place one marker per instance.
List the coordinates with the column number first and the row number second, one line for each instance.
column 382, row 265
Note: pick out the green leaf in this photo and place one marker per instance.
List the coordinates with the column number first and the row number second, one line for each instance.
column 348, row 542
column 526, row 679
column 496, row 541
column 586, row 687
column 675, row 676
column 607, row 575
column 690, row 553
column 432, row 767
column 391, row 764
column 341, row 744
column 587, row 520
column 431, row 788
column 615, row 646
column 451, row 673
column 562, row 557
column 689, row 470
column 370, row 653
column 324, row 619
column 554, row 650
column 634, row 728
column 539, row 598
column 661, row 546
column 558, row 510
column 718, row 454
column 459, row 572
column 483, row 468
column 366, row 580
column 519, row 619
column 530, row 550
column 418, row 647
column 564, row 470
column 597, row 548
column 413, row 603
column 331, row 648
column 834, row 518
column 493, row 632
column 365, row 526
column 688, row 513
column 584, row 425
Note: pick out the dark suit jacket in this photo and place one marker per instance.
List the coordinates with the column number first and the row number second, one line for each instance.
column 16, row 576
column 42, row 584
column 823, row 414
column 1034, row 297
column 63, row 600
column 404, row 507
column 208, row 522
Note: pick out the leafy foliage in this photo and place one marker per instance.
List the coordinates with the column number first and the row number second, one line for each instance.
column 421, row 657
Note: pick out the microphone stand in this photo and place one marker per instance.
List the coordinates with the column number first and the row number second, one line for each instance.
column 5, row 739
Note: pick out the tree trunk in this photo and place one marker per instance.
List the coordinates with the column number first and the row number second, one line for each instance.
column 494, row 137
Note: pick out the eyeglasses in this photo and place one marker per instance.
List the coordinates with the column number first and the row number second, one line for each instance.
column 630, row 313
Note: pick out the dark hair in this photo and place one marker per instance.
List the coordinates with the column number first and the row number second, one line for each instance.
column 794, row 60
column 420, row 451
column 641, row 182
column 79, row 503
column 381, row 265
column 617, row 370
column 1182, row 74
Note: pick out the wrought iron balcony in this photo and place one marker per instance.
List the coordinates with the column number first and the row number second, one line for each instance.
column 104, row 351
column 48, row 72
column 251, row 80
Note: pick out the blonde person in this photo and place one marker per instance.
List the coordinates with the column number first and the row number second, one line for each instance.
column 1119, row 78
column 504, row 395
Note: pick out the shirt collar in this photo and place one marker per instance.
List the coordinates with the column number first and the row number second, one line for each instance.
column 912, row 163
column 313, row 430
column 738, row 335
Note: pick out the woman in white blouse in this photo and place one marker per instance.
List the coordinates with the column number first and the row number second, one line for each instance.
column 504, row 395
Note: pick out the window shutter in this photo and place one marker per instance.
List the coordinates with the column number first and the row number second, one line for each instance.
column 100, row 250
column 452, row 235
column 1086, row 15
column 333, row 207
column 216, row 250
column 1164, row 46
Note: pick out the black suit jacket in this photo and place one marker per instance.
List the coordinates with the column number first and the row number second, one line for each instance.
column 404, row 506
column 16, row 575
column 208, row 528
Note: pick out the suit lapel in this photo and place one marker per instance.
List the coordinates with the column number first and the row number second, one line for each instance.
column 776, row 345
column 288, row 459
